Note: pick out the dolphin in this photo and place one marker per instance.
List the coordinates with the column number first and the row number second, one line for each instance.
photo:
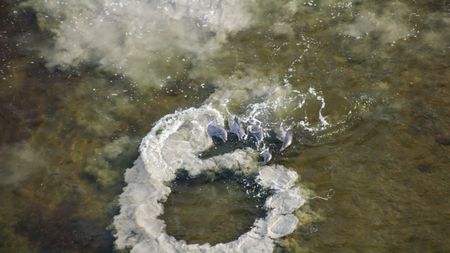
column 236, row 129
column 217, row 133
column 257, row 133
column 287, row 140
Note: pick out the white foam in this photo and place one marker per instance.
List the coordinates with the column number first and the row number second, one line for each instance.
column 272, row 105
column 173, row 144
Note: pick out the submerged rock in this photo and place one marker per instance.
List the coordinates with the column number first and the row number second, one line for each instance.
column 443, row 140
column 425, row 168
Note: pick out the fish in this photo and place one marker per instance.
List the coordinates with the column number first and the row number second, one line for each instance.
column 266, row 156
column 287, row 140
column 217, row 133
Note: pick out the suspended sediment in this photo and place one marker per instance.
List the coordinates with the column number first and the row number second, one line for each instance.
column 173, row 144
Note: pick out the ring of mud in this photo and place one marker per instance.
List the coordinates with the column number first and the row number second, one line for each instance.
column 174, row 143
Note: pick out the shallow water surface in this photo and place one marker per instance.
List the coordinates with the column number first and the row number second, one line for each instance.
column 201, row 211
column 363, row 84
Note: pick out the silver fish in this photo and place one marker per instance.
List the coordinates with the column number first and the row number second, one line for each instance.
column 287, row 140
column 266, row 156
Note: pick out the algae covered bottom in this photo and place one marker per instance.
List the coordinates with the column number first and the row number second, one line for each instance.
column 214, row 209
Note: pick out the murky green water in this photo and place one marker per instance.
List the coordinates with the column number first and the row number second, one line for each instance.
column 212, row 210
column 69, row 133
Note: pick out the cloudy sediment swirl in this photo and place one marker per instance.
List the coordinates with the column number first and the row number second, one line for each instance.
column 142, row 40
